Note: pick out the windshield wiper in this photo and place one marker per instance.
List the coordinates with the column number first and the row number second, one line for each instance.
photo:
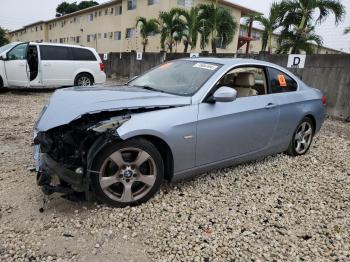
column 151, row 89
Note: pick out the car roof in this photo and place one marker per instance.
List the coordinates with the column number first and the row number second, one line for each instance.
column 55, row 44
column 229, row 61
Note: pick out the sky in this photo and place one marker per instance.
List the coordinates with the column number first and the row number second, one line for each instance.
column 17, row 13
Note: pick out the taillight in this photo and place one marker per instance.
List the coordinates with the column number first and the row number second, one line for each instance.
column 102, row 67
column 324, row 100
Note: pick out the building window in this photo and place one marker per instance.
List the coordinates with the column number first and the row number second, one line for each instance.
column 185, row 3
column 220, row 43
column 130, row 32
column 106, row 11
column 88, row 38
column 242, row 32
column 112, row 11
column 77, row 39
column 117, row 35
column 132, row 4
column 256, row 35
column 105, row 35
column 152, row 2
column 119, row 10
column 91, row 17
column 96, row 14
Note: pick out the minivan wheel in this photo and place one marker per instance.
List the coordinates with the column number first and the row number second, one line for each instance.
column 302, row 138
column 128, row 173
column 84, row 80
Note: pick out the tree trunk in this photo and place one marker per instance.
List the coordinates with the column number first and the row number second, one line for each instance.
column 269, row 43
column 186, row 47
column 213, row 46
column 303, row 21
column 171, row 45
column 144, row 48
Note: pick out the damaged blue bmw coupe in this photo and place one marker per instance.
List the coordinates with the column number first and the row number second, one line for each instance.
column 182, row 118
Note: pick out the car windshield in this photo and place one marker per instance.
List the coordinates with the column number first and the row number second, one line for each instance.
column 179, row 77
column 7, row 47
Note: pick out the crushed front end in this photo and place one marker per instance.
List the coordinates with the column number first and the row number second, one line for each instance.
column 62, row 154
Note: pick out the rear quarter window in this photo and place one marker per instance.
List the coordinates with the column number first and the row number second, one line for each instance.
column 281, row 82
column 81, row 54
column 55, row 53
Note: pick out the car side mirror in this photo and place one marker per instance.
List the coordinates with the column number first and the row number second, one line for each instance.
column 3, row 57
column 225, row 94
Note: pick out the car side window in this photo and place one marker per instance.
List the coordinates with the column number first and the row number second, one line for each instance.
column 18, row 52
column 247, row 81
column 281, row 82
column 81, row 54
column 55, row 53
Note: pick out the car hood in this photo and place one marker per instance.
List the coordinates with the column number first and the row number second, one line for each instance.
column 69, row 104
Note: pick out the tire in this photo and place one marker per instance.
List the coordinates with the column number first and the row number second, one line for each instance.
column 84, row 79
column 302, row 138
column 2, row 88
column 121, row 180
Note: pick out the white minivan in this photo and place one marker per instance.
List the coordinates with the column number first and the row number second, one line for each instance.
column 49, row 65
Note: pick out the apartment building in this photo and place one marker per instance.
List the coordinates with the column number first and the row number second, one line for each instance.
column 255, row 45
column 110, row 27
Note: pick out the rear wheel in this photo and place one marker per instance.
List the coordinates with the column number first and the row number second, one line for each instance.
column 302, row 138
column 129, row 173
column 84, row 80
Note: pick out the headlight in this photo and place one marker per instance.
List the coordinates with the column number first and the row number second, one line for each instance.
column 112, row 123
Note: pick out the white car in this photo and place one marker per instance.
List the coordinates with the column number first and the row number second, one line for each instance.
column 49, row 65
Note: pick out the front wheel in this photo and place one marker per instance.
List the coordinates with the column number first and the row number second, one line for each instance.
column 129, row 173
column 83, row 80
column 302, row 138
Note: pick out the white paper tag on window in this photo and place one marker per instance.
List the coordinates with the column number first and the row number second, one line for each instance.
column 206, row 66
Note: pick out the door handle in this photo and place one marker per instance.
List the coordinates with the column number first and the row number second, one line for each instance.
column 270, row 105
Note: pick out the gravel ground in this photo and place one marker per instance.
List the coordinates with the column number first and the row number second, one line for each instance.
column 278, row 209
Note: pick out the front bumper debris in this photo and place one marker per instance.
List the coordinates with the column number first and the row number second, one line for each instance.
column 70, row 180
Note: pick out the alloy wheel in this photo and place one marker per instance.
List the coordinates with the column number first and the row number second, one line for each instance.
column 303, row 138
column 84, row 81
column 127, row 175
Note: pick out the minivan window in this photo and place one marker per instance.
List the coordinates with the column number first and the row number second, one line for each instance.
column 55, row 53
column 81, row 54
column 281, row 82
column 18, row 52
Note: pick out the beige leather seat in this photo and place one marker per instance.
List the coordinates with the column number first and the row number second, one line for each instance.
column 244, row 83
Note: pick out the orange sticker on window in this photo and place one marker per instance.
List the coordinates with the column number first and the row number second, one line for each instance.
column 282, row 80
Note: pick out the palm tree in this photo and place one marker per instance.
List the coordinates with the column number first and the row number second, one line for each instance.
column 288, row 42
column 190, row 34
column 347, row 30
column 216, row 24
column 270, row 23
column 171, row 24
column 147, row 28
column 301, row 12
column 299, row 24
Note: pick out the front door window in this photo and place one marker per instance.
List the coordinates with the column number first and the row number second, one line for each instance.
column 18, row 53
